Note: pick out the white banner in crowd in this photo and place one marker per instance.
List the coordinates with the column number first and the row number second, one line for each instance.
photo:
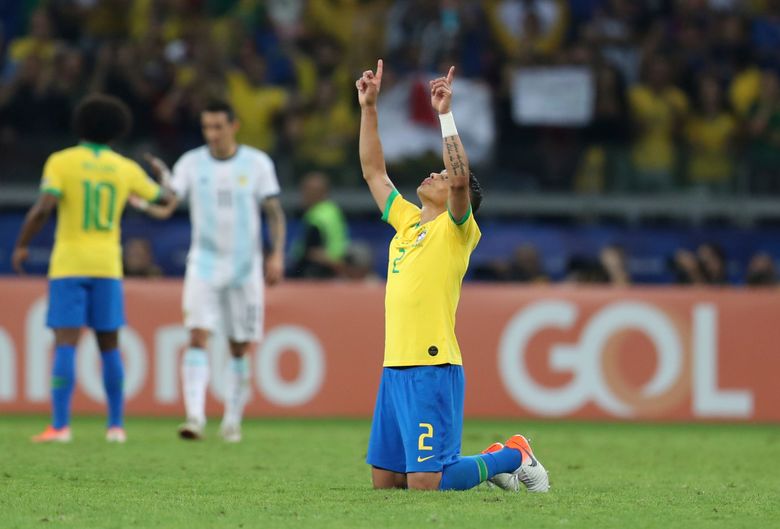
column 559, row 96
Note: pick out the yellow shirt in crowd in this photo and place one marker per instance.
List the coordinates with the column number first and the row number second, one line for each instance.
column 655, row 114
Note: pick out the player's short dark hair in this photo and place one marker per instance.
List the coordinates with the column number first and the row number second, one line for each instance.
column 219, row 105
column 475, row 192
column 101, row 118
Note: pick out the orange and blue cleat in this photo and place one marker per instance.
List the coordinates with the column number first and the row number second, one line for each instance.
column 530, row 473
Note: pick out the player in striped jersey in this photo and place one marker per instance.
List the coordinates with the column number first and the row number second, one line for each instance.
column 224, row 182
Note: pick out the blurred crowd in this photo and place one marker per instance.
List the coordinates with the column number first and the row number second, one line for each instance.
column 707, row 264
column 683, row 93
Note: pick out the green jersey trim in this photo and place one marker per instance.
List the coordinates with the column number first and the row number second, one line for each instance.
column 95, row 147
column 461, row 221
column 389, row 204
column 50, row 190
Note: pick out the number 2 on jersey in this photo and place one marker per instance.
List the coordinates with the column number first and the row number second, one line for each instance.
column 94, row 196
column 401, row 252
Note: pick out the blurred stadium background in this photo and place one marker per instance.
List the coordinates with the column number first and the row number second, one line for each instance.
column 619, row 143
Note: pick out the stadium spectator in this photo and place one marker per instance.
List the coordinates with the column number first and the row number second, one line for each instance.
column 319, row 250
column 764, row 131
column 39, row 43
column 603, row 164
column 612, row 259
column 609, row 268
column 257, row 104
column 706, row 266
column 524, row 266
column 713, row 263
column 761, row 271
column 686, row 268
column 359, row 264
column 711, row 134
column 528, row 30
column 613, row 31
column 658, row 108
column 138, row 259
column 323, row 135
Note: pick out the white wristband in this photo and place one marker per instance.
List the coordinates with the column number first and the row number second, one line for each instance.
column 447, row 125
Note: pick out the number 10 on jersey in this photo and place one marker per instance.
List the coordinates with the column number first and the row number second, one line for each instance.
column 99, row 205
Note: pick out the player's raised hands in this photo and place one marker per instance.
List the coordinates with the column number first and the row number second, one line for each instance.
column 441, row 92
column 368, row 86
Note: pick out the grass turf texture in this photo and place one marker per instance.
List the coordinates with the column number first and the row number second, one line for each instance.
column 310, row 473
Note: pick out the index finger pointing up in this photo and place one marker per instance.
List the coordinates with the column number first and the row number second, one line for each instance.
column 379, row 65
column 451, row 74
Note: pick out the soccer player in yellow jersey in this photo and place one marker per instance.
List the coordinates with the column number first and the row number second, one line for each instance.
column 88, row 185
column 418, row 419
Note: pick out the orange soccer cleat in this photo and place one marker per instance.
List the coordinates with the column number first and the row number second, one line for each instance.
column 530, row 473
column 495, row 447
column 53, row 435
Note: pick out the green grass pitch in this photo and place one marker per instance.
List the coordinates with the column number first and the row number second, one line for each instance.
column 310, row 474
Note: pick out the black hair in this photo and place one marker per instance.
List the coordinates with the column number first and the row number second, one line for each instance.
column 100, row 118
column 218, row 105
column 475, row 192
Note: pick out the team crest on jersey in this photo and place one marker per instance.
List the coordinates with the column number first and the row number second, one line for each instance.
column 243, row 180
column 420, row 238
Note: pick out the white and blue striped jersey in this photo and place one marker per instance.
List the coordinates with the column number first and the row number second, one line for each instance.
column 224, row 196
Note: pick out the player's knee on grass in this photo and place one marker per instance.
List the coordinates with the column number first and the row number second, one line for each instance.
column 423, row 480
column 199, row 338
column 107, row 340
column 385, row 479
column 67, row 336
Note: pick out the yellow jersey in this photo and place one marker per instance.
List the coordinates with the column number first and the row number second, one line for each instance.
column 654, row 149
column 92, row 183
column 425, row 271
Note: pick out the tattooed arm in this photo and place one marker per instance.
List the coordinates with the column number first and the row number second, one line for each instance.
column 455, row 160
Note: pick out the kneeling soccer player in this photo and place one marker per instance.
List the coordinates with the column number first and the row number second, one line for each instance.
column 416, row 432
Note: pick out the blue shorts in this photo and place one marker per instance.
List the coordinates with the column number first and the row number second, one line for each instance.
column 418, row 419
column 94, row 302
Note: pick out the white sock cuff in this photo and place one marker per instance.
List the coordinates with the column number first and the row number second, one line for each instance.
column 239, row 365
column 194, row 356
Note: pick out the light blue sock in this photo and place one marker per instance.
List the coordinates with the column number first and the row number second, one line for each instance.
column 63, row 377
column 114, row 381
column 470, row 471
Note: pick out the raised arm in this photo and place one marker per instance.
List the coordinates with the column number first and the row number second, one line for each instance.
column 455, row 160
column 277, row 230
column 372, row 160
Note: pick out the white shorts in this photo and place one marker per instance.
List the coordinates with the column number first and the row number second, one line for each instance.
column 237, row 311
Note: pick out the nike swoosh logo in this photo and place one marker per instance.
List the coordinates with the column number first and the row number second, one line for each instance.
column 421, row 459
column 533, row 459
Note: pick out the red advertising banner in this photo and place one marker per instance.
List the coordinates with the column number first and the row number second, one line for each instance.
column 678, row 354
